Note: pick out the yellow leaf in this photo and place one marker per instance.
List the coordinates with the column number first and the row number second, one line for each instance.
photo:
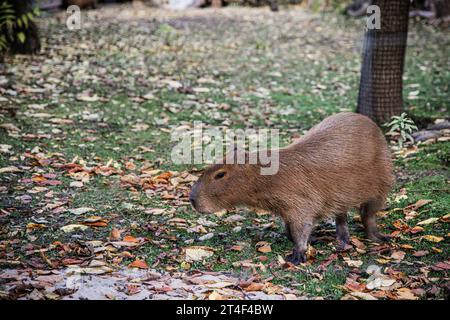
column 216, row 296
column 436, row 250
column 382, row 261
column 34, row 226
column 428, row 221
column 433, row 238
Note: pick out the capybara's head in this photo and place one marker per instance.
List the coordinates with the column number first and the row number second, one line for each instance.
column 219, row 187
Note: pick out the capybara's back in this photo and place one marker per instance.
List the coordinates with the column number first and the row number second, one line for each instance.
column 345, row 159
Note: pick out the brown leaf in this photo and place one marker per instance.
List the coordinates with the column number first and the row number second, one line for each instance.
column 357, row 243
column 405, row 294
column 263, row 247
column 420, row 253
column 443, row 265
column 416, row 229
column 323, row 266
column 115, row 234
column 398, row 255
column 419, row 204
column 254, row 287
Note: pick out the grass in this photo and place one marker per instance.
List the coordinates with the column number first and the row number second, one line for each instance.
column 286, row 76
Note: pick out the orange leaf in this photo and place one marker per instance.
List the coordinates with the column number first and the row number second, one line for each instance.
column 138, row 264
column 416, row 229
column 254, row 287
column 164, row 176
column 130, row 239
column 39, row 178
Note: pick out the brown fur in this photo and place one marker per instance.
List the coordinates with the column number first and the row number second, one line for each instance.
column 341, row 163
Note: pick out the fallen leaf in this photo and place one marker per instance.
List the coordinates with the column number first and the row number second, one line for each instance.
column 74, row 227
column 79, row 211
column 398, row 255
column 420, row 253
column 405, row 294
column 10, row 169
column 254, row 287
column 420, row 203
column 353, row 263
column 115, row 234
column 416, row 229
column 138, row 264
column 363, row 295
column 198, row 253
column 76, row 184
column 263, row 247
column 428, row 221
column 433, row 238
column 130, row 239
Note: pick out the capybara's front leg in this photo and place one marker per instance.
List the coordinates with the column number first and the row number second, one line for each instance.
column 368, row 213
column 288, row 231
column 342, row 234
column 300, row 232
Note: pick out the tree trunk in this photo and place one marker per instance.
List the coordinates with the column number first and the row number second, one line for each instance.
column 380, row 91
column 441, row 8
column 32, row 43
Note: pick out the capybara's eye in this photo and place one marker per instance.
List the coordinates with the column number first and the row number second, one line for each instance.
column 220, row 175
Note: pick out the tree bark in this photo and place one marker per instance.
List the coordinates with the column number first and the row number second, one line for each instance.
column 32, row 43
column 441, row 8
column 380, row 91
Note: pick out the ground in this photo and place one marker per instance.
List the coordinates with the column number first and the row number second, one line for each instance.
column 88, row 187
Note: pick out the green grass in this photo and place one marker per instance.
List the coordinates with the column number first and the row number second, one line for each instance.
column 319, row 77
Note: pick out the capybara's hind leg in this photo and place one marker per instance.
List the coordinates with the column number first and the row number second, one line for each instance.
column 342, row 234
column 368, row 216
column 300, row 232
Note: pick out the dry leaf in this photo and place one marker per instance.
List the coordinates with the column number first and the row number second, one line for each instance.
column 263, row 247
column 198, row 253
column 138, row 264
column 254, row 287
column 427, row 221
column 433, row 238
column 74, row 227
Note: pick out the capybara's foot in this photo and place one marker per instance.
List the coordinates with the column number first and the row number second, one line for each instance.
column 342, row 244
column 378, row 237
column 296, row 257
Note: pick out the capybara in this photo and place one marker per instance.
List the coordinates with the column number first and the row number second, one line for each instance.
column 341, row 163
